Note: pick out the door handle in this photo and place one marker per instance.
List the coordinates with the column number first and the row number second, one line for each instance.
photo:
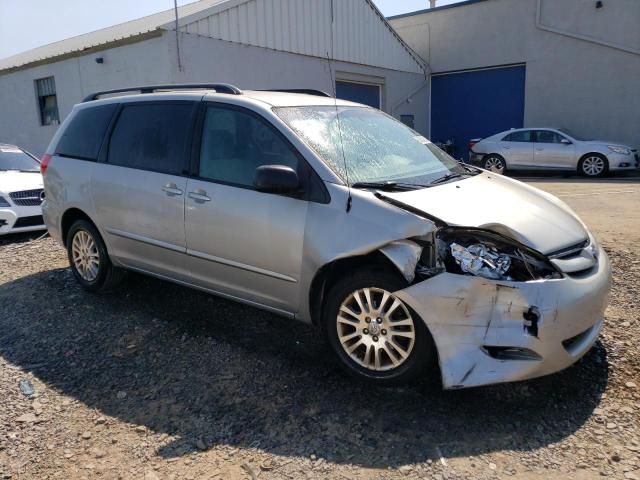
column 172, row 190
column 507, row 148
column 200, row 196
column 539, row 149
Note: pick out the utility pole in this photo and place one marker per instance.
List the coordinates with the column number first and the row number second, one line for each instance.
column 175, row 8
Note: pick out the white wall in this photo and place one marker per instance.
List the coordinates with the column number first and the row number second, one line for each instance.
column 140, row 63
column 209, row 60
column 154, row 61
column 583, row 85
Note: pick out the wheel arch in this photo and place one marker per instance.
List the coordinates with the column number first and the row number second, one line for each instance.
column 69, row 217
column 328, row 274
column 596, row 154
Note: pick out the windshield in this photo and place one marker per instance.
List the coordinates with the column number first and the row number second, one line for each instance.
column 12, row 158
column 573, row 135
column 377, row 148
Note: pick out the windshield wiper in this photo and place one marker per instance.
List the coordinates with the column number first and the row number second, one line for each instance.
column 390, row 186
column 446, row 178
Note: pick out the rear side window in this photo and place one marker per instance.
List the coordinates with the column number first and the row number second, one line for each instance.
column 83, row 136
column 523, row 136
column 152, row 137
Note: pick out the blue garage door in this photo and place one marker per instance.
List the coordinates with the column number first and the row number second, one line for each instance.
column 476, row 104
column 359, row 92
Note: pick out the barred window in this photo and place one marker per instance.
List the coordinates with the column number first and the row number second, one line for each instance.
column 47, row 101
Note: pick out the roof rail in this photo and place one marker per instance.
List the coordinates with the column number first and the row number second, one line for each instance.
column 218, row 87
column 305, row 91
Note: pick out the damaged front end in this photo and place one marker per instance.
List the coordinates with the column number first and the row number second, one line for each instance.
column 498, row 310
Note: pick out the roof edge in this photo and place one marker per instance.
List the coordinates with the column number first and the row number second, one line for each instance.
column 79, row 53
column 435, row 9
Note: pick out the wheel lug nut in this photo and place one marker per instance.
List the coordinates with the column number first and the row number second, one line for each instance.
column 366, row 331
column 375, row 338
column 379, row 320
column 368, row 320
column 384, row 332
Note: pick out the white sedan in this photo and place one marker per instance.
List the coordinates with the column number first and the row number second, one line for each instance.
column 551, row 149
column 21, row 191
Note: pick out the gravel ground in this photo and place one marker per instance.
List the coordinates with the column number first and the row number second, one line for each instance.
column 157, row 381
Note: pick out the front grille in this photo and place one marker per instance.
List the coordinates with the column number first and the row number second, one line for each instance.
column 33, row 221
column 28, row 198
column 570, row 251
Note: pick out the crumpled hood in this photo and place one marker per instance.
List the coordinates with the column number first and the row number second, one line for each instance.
column 13, row 181
column 531, row 216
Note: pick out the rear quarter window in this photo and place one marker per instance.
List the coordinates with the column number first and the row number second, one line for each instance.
column 83, row 136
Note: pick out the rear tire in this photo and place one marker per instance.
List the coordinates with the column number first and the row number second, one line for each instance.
column 390, row 343
column 494, row 163
column 89, row 260
column 593, row 165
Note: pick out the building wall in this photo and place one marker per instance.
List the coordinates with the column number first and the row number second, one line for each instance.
column 583, row 85
column 144, row 62
column 154, row 61
column 206, row 59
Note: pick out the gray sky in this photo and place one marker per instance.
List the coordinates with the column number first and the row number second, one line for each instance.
column 26, row 24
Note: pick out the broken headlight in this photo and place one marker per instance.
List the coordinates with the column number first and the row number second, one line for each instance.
column 490, row 255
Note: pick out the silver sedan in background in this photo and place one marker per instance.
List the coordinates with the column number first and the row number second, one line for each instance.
column 551, row 149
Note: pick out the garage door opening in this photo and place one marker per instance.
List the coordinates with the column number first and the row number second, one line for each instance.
column 365, row 93
column 476, row 104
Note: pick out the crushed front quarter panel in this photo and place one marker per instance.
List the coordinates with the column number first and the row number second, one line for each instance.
column 466, row 313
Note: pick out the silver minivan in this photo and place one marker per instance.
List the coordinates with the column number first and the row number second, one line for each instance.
column 334, row 214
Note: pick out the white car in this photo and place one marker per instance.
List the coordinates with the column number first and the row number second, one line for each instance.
column 21, row 191
column 551, row 149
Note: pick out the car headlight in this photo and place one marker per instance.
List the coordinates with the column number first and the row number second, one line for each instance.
column 471, row 251
column 621, row 150
column 3, row 202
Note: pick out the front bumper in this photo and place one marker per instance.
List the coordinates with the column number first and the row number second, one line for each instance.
column 619, row 162
column 466, row 314
column 21, row 219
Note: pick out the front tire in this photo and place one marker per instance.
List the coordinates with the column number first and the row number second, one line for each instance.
column 494, row 163
column 89, row 259
column 374, row 334
column 593, row 165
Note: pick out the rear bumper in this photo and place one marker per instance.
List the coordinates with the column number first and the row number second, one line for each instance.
column 21, row 219
column 470, row 318
column 476, row 158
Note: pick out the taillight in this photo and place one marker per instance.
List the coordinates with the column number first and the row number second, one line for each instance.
column 44, row 163
column 473, row 142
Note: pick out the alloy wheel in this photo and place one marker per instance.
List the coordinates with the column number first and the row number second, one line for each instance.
column 86, row 258
column 593, row 166
column 375, row 329
column 494, row 164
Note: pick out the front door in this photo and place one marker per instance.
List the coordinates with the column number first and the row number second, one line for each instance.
column 241, row 242
column 139, row 191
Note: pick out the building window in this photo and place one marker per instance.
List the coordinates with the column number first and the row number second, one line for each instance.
column 408, row 120
column 47, row 101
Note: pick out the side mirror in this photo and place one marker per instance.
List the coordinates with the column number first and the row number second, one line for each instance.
column 276, row 179
column 565, row 141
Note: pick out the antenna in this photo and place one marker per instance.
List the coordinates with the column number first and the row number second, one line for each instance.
column 335, row 102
